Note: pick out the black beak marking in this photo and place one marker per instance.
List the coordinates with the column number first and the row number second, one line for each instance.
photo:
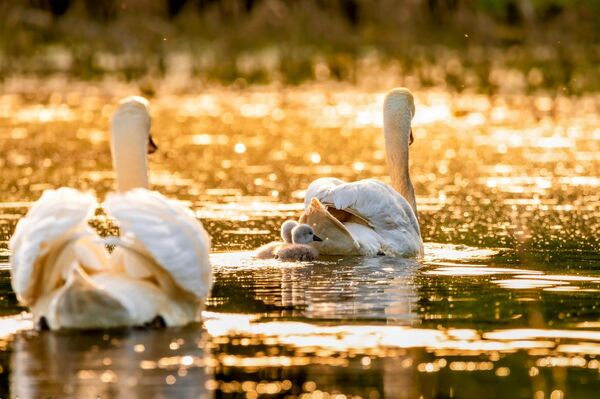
column 152, row 147
column 315, row 238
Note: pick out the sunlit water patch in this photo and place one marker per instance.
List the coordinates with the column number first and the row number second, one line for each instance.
column 382, row 327
column 504, row 302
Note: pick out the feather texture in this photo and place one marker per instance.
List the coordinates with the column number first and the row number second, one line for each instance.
column 169, row 233
column 296, row 252
column 45, row 242
column 160, row 268
column 394, row 226
column 60, row 268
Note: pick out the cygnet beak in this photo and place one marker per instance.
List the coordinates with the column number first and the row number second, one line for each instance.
column 410, row 138
column 152, row 147
column 316, row 238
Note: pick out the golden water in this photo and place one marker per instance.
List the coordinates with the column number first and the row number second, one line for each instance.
column 504, row 304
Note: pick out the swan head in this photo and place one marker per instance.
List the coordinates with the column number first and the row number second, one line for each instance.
column 286, row 230
column 132, row 117
column 398, row 105
column 304, row 234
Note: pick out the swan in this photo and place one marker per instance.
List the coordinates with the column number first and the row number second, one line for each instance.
column 369, row 217
column 295, row 247
column 159, row 271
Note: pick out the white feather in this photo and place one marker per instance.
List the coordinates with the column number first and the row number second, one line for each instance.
column 62, row 271
column 380, row 218
column 80, row 303
column 169, row 233
column 395, row 229
column 144, row 300
column 53, row 224
column 368, row 240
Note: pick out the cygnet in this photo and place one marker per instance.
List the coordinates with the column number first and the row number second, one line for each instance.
column 295, row 246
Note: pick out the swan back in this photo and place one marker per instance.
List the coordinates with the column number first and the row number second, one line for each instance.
column 337, row 240
column 80, row 303
column 386, row 211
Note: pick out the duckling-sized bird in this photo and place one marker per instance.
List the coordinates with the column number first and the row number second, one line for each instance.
column 300, row 250
column 267, row 251
column 295, row 246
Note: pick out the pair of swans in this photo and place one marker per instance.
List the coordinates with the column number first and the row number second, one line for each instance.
column 159, row 271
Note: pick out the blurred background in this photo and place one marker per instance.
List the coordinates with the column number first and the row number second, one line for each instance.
column 487, row 46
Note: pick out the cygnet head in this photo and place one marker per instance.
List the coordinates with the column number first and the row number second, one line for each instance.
column 304, row 234
column 286, row 230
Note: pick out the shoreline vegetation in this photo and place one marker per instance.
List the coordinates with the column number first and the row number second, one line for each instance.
column 484, row 46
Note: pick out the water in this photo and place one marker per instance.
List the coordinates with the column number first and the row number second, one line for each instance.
column 505, row 302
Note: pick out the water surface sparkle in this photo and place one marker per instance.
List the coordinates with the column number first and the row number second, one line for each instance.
column 504, row 303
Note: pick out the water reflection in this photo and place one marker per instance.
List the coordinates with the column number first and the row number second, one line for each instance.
column 125, row 364
column 514, row 176
column 489, row 171
column 333, row 288
column 345, row 327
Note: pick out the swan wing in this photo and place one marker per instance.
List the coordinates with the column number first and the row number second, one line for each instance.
column 169, row 235
column 385, row 210
column 52, row 237
column 321, row 189
column 368, row 239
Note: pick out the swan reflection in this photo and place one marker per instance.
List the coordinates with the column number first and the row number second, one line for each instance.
column 382, row 288
column 120, row 364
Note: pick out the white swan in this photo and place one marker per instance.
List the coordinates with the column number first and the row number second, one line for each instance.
column 368, row 217
column 295, row 246
column 159, row 271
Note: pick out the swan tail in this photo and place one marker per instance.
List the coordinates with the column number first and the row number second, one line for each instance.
column 82, row 304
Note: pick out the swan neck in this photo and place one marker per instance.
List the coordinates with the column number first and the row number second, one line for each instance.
column 129, row 154
column 397, row 128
